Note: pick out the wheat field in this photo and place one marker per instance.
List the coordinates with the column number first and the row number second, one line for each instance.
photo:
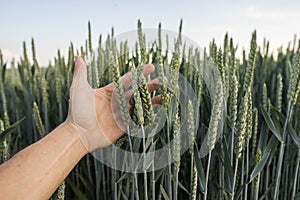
column 249, row 124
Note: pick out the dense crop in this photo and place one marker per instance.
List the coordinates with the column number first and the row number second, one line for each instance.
column 253, row 142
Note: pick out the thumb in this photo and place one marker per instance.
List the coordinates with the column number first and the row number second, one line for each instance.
column 80, row 72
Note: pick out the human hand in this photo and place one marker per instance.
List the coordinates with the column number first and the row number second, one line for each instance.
column 91, row 114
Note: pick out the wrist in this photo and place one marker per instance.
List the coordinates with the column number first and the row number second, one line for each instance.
column 71, row 129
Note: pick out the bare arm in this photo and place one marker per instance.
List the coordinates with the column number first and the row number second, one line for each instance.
column 37, row 171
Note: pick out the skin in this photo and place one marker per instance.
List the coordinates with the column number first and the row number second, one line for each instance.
column 38, row 170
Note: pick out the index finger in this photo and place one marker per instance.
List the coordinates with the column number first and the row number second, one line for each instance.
column 126, row 79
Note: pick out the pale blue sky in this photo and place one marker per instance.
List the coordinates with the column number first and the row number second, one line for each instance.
column 53, row 24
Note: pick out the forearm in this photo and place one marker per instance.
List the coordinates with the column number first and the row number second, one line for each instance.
column 36, row 172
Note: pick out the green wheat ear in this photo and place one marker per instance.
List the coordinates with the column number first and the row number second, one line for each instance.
column 61, row 191
column 45, row 102
column 199, row 84
column 233, row 86
column 147, row 105
column 136, row 109
column 226, row 64
column 174, row 91
column 233, row 95
column 255, row 125
column 233, row 66
column 257, row 159
column 294, row 84
column 250, row 65
column 215, row 116
column 249, row 119
column 90, row 38
column 241, row 126
column 58, row 87
column 191, row 126
column 38, row 120
column 121, row 140
column 34, row 54
column 159, row 40
column 163, row 88
column 142, row 43
column 26, row 62
column 213, row 51
column 194, row 183
column 4, row 151
column 3, row 97
column 265, row 96
column 225, row 50
column 141, row 107
column 221, row 69
column 120, row 93
column 279, row 92
column 177, row 142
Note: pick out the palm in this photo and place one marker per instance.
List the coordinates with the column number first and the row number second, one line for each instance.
column 106, row 117
column 92, row 111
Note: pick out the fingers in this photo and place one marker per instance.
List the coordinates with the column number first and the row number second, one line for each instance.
column 152, row 86
column 126, row 79
column 157, row 100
